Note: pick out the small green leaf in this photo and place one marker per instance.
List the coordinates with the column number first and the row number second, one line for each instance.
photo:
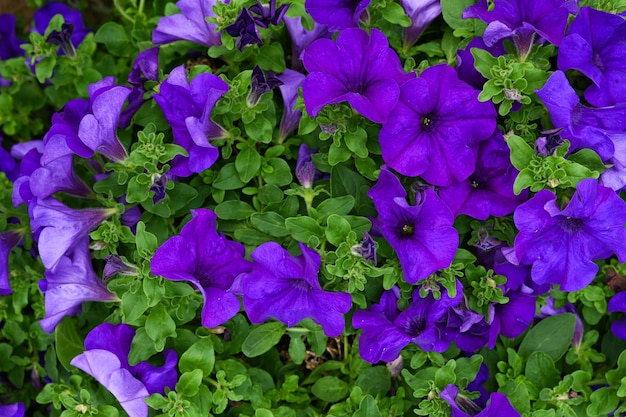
column 160, row 326
column 540, row 370
column 337, row 230
column 330, row 389
column 303, row 227
column 271, row 223
column 228, row 178
column 114, row 37
column 552, row 335
column 337, row 205
column 67, row 341
column 248, row 163
column 189, row 383
column 234, row 210
column 200, row 356
column 263, row 338
column 521, row 152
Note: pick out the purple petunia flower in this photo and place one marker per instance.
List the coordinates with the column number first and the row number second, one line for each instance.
column 261, row 84
column 71, row 283
column 617, row 303
column 8, row 240
column 287, row 288
column 190, row 25
column 292, row 80
column 431, row 130
column 489, row 190
column 520, row 20
column 421, row 13
column 266, row 16
column 387, row 330
column 595, row 45
column 44, row 15
column 8, row 164
column 359, row 68
column 58, row 228
column 513, row 318
column 63, row 39
column 12, row 410
column 187, row 107
column 422, row 235
column 206, row 259
column 245, row 29
column 469, row 329
column 366, row 249
column 10, row 45
column 463, row 406
column 145, row 68
column 337, row 14
column 301, row 38
column 562, row 244
column 115, row 265
column 106, row 359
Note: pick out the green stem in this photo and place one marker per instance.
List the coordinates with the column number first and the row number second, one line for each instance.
column 140, row 9
column 119, row 8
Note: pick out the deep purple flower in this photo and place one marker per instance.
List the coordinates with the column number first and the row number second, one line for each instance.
column 301, row 38
column 207, row 260
column 159, row 185
column 360, row 69
column 291, row 82
column 595, row 45
column 191, row 25
column 8, row 240
column 617, row 304
column 561, row 245
column 466, row 69
column 421, row 13
column 366, row 249
column 106, row 359
column 187, row 108
column 463, row 406
column 44, row 15
column 10, row 43
column 63, row 39
column 489, row 190
column 520, row 20
column 287, row 288
column 12, row 410
column 469, row 328
column 58, row 228
column 8, row 165
column 512, row 318
column 266, row 16
column 145, row 68
column 387, row 330
column 71, row 283
column 337, row 14
column 584, row 127
column 244, row 28
column 422, row 235
column 547, row 145
column 431, row 130
column 261, row 84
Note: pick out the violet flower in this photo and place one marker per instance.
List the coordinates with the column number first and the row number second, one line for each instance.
column 561, row 244
column 59, row 228
column 431, row 130
column 421, row 13
column 301, row 38
column 8, row 164
column 422, row 235
column 366, row 249
column 489, row 190
column 521, row 20
column 190, row 25
column 358, row 68
column 617, row 304
column 595, row 45
column 291, row 82
column 244, row 28
column 463, row 406
column 469, row 328
column 513, row 318
column 261, row 84
column 145, row 68
column 306, row 171
column 337, row 14
column 115, row 265
column 159, row 186
column 63, row 39
column 29, row 155
column 187, row 107
column 287, row 288
column 547, row 145
column 44, row 15
column 71, row 283
column 207, row 260
column 266, row 16
column 12, row 410
column 62, row 137
column 106, row 359
column 10, row 45
column 8, row 240
column 387, row 330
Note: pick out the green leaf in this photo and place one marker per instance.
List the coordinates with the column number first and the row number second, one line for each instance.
column 200, row 356
column 337, row 205
column 280, row 174
column 521, row 152
column 189, row 383
column 114, row 37
column 259, row 130
column 44, row 68
column 147, row 243
column 356, row 141
column 395, row 14
column 552, row 335
column 452, row 11
column 576, row 173
column 160, row 326
column 589, row 159
column 228, row 178
column 271, row 223
column 234, row 210
column 330, row 389
column 524, row 180
column 262, row 338
column 603, row 401
column 368, row 408
column 134, row 304
column 375, row 380
column 297, row 349
column 337, row 230
column 540, row 370
column 303, row 227
column 248, row 163
column 467, row 369
column 68, row 343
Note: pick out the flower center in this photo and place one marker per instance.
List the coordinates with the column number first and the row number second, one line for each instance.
column 407, row 230
column 428, row 122
column 416, row 326
column 571, row 225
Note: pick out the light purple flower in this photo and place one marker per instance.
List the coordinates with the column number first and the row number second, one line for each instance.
column 595, row 45
column 432, row 129
column 58, row 228
column 8, row 240
column 337, row 14
column 422, row 235
column 463, row 406
column 292, row 80
column 12, row 410
column 207, row 260
column 561, row 244
column 358, row 68
column 106, row 359
column 69, row 285
column 421, row 13
column 190, row 25
column 287, row 288
column 187, row 107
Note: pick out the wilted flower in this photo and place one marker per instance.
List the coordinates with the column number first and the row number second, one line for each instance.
column 63, row 39
column 261, row 84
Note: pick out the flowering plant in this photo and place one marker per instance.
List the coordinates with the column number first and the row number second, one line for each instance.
column 313, row 207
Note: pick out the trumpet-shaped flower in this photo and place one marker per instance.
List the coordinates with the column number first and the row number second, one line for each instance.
column 287, row 288
column 422, row 235
column 561, row 244
column 359, row 68
column 189, row 25
column 106, row 359
column 431, row 130
column 207, row 260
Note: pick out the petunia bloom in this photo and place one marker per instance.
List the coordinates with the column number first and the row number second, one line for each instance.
column 337, row 14
column 63, row 39
column 291, row 82
column 266, row 16
column 422, row 235
column 617, row 303
column 463, row 406
column 359, row 68
column 44, row 15
column 432, row 129
column 187, row 107
column 69, row 285
column 421, row 13
column 206, row 259
column 245, row 29
column 106, row 359
column 12, row 410
column 287, row 288
column 561, row 244
column 189, row 25
column 301, row 38
column 260, row 83
column 8, row 240
column 10, row 45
